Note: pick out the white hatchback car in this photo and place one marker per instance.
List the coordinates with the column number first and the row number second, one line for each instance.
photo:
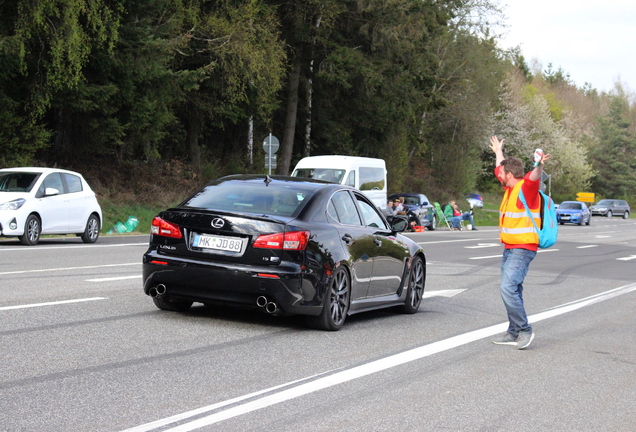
column 36, row 201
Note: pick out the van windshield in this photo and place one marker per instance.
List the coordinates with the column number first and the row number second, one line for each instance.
column 325, row 174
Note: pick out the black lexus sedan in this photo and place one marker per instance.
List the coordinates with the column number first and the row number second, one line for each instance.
column 284, row 245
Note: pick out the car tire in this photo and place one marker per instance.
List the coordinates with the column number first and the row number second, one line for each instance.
column 336, row 303
column 561, row 223
column 626, row 215
column 32, row 230
column 415, row 291
column 589, row 219
column 433, row 225
column 167, row 304
column 609, row 214
column 581, row 221
column 91, row 232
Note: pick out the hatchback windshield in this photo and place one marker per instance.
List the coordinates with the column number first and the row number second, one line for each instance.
column 17, row 181
column 236, row 196
column 571, row 206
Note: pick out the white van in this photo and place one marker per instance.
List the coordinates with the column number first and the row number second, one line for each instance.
column 366, row 174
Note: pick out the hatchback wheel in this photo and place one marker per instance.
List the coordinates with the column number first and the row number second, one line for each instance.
column 626, row 215
column 32, row 229
column 433, row 224
column 91, row 232
column 416, row 287
column 336, row 304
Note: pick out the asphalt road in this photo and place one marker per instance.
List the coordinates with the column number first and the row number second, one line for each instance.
column 82, row 349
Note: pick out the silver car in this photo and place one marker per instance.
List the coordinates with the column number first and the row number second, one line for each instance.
column 611, row 207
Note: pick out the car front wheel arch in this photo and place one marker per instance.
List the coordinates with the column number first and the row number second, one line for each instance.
column 32, row 230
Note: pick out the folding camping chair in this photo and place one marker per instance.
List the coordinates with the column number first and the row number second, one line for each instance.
column 442, row 217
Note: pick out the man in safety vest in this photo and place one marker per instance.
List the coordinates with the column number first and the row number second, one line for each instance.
column 520, row 239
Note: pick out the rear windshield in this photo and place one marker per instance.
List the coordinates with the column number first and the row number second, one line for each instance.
column 571, row 206
column 18, row 181
column 243, row 197
column 325, row 174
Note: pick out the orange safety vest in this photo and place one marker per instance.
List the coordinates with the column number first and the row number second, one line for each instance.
column 514, row 224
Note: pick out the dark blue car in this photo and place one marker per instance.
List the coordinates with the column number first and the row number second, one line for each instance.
column 573, row 212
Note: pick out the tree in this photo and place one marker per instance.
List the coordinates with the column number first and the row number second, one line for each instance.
column 615, row 154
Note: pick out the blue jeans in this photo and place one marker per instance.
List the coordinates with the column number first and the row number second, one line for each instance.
column 454, row 221
column 514, row 268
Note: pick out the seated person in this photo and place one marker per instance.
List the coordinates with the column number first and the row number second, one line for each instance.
column 390, row 208
column 454, row 215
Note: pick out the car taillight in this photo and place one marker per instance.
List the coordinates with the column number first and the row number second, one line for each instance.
column 294, row 240
column 164, row 228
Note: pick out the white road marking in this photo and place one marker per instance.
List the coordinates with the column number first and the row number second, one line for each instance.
column 602, row 236
column 631, row 257
column 353, row 373
column 586, row 246
column 68, row 268
column 443, row 293
column 51, row 303
column 449, row 241
column 483, row 245
column 43, row 248
column 500, row 255
column 114, row 278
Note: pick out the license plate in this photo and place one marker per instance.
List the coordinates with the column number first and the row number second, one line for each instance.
column 219, row 243
column 565, row 217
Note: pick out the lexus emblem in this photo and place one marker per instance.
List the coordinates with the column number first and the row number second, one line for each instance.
column 217, row 222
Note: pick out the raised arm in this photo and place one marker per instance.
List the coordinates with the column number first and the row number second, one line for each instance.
column 497, row 148
column 535, row 174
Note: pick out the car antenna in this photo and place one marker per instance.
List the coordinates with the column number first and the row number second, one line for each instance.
column 268, row 180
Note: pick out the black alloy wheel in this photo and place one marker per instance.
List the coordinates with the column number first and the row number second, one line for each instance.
column 91, row 232
column 336, row 304
column 32, row 229
column 415, row 292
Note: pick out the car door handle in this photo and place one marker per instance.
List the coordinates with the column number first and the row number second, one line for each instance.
column 347, row 239
column 377, row 242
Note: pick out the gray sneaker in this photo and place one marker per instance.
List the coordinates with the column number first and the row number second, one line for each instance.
column 524, row 340
column 506, row 339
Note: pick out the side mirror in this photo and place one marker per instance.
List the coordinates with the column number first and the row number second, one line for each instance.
column 51, row 191
column 398, row 224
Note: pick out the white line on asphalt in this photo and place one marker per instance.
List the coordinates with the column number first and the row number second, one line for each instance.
column 443, row 293
column 483, row 245
column 363, row 370
column 629, row 258
column 500, row 255
column 69, row 268
column 44, row 248
column 586, row 246
column 114, row 278
column 51, row 303
column 449, row 241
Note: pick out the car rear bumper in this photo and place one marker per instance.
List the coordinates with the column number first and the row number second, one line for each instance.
column 293, row 291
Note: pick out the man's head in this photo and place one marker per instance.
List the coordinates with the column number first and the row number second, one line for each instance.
column 511, row 171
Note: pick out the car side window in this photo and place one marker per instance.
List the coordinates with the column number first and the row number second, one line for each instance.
column 371, row 216
column 73, row 183
column 53, row 180
column 342, row 208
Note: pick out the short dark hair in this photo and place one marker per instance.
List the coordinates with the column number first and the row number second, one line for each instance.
column 513, row 166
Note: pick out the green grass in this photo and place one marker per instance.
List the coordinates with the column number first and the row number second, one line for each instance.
column 116, row 212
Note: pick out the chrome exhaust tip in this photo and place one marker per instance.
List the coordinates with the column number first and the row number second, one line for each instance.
column 261, row 301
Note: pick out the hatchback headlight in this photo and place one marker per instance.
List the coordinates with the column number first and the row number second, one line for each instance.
column 12, row 205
